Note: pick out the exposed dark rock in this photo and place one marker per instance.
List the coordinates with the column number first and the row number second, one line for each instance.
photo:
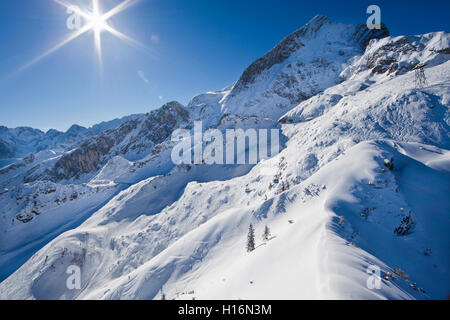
column 24, row 218
column 86, row 158
column 157, row 127
column 363, row 35
column 444, row 51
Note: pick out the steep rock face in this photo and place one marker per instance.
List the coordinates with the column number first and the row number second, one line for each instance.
column 156, row 128
column 363, row 35
column 302, row 65
column 84, row 159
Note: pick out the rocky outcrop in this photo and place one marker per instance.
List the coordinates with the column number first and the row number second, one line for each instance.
column 84, row 159
column 363, row 35
column 157, row 127
column 387, row 58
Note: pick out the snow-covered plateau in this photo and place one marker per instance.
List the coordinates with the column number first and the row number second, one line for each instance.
column 357, row 201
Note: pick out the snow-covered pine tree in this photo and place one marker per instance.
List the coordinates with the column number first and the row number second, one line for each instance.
column 266, row 235
column 251, row 239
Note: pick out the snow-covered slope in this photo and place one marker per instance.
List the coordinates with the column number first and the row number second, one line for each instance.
column 50, row 192
column 342, row 222
column 364, row 179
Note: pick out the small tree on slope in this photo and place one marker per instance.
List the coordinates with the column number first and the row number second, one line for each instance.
column 266, row 235
column 251, row 239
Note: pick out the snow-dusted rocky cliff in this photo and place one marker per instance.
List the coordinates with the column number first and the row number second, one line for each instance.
column 363, row 180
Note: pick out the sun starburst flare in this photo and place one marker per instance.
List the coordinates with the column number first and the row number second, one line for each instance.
column 97, row 22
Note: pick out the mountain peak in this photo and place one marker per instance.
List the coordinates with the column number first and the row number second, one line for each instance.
column 298, row 39
column 171, row 104
column 317, row 22
column 280, row 52
column 76, row 129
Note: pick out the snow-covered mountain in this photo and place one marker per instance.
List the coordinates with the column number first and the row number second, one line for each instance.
column 363, row 180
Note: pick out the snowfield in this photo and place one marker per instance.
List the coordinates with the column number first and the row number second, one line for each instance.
column 362, row 183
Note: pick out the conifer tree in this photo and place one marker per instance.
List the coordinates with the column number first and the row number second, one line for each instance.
column 251, row 239
column 266, row 235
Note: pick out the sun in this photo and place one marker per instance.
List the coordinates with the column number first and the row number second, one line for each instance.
column 98, row 23
column 96, row 19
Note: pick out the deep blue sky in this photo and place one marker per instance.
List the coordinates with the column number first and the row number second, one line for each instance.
column 203, row 45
